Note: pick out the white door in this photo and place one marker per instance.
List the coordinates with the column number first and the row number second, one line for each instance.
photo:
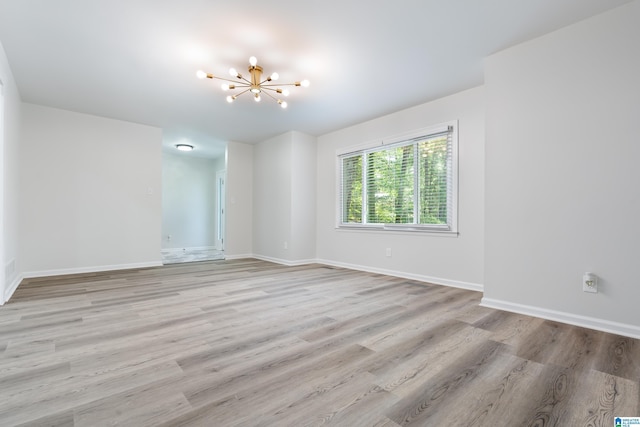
column 220, row 204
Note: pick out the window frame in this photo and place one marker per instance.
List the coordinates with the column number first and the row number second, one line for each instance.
column 450, row 228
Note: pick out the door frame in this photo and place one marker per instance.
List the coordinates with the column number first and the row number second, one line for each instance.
column 221, row 177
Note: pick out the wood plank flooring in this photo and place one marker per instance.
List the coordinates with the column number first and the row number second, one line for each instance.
column 250, row 343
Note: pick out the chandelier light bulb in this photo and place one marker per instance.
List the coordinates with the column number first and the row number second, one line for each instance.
column 257, row 97
column 283, row 104
column 225, row 87
column 201, row 74
column 305, row 83
column 285, row 92
column 275, row 76
column 233, row 72
column 230, row 99
column 253, row 61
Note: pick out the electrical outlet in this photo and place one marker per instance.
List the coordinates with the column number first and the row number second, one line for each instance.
column 590, row 283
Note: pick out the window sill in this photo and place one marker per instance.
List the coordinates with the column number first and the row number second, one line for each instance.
column 403, row 230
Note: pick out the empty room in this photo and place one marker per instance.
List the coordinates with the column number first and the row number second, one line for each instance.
column 414, row 213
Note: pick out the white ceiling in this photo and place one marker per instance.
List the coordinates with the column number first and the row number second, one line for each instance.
column 136, row 60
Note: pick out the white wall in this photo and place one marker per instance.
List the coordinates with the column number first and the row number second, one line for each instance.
column 90, row 192
column 10, row 263
column 239, row 189
column 189, row 211
column 562, row 175
column 284, row 198
column 272, row 197
column 303, row 197
column 456, row 261
column 2, row 260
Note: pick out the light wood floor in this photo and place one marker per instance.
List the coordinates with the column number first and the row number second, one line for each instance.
column 249, row 343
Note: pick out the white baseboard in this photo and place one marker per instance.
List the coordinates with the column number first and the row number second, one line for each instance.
column 394, row 273
column 194, row 248
column 238, row 256
column 559, row 316
column 95, row 269
column 419, row 277
column 67, row 271
column 8, row 292
column 286, row 262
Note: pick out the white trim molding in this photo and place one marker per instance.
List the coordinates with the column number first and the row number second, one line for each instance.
column 67, row 271
column 8, row 292
column 627, row 330
column 194, row 248
column 286, row 262
column 238, row 256
column 418, row 277
column 401, row 274
column 96, row 269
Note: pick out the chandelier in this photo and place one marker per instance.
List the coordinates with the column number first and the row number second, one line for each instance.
column 256, row 85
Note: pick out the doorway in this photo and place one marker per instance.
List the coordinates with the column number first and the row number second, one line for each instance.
column 193, row 210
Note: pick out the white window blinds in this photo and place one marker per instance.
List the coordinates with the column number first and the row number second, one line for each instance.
column 406, row 184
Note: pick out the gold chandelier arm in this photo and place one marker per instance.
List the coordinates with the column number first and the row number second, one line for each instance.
column 265, row 88
column 231, row 80
column 281, row 84
column 270, row 96
column 241, row 77
column 238, row 85
column 244, row 91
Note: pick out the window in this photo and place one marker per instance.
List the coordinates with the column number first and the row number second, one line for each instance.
column 407, row 183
